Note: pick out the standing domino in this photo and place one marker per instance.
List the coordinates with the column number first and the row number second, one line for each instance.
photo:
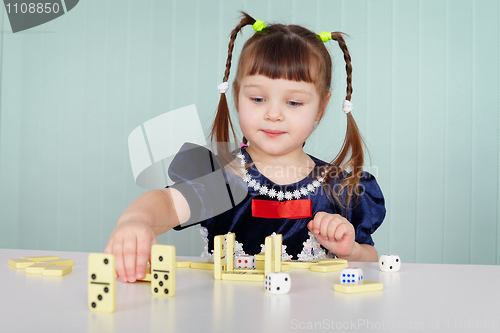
column 102, row 282
column 389, row 263
column 163, row 270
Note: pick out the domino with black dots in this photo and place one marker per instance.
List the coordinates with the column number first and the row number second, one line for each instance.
column 101, row 282
column 163, row 270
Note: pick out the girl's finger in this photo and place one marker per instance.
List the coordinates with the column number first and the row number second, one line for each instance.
column 129, row 254
column 118, row 252
column 143, row 254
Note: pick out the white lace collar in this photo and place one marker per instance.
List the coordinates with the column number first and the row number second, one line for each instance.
column 272, row 193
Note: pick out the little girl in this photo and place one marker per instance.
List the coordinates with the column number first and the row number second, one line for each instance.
column 281, row 92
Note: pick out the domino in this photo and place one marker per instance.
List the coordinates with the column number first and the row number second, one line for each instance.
column 278, row 242
column 163, row 270
column 182, row 263
column 242, row 276
column 37, row 268
column 57, row 270
column 208, row 265
column 41, row 258
column 147, row 278
column 219, row 257
column 69, row 262
column 269, row 255
column 260, row 257
column 101, row 282
column 337, row 260
column 301, row 264
column 230, row 246
column 249, row 270
column 20, row 263
column 366, row 286
column 332, row 266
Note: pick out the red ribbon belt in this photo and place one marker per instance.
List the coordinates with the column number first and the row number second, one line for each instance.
column 290, row 209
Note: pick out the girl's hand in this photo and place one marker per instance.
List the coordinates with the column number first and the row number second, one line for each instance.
column 131, row 244
column 334, row 232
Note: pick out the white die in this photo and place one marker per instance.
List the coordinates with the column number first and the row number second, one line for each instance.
column 351, row 275
column 245, row 261
column 277, row 283
column 389, row 263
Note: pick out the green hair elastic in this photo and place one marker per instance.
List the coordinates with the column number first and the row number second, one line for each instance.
column 325, row 36
column 258, row 25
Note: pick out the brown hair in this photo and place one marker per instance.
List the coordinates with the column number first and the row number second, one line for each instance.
column 294, row 53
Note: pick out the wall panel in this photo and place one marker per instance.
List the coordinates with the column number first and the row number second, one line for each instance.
column 426, row 96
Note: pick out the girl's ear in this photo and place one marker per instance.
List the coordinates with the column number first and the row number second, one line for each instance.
column 322, row 107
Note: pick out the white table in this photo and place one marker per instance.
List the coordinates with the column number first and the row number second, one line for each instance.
column 420, row 297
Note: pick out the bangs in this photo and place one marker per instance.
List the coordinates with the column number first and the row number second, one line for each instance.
column 286, row 52
column 282, row 57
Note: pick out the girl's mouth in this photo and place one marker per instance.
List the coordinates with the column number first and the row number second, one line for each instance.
column 272, row 133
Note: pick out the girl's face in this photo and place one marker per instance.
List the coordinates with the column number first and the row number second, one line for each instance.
column 277, row 116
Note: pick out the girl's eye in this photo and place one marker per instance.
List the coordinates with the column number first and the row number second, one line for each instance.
column 294, row 103
column 257, row 99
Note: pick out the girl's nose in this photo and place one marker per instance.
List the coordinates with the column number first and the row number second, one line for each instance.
column 274, row 113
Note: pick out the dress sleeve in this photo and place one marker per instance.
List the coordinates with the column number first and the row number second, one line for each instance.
column 205, row 185
column 367, row 209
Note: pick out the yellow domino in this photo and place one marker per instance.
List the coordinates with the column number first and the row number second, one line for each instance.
column 41, row 258
column 163, row 270
column 147, row 278
column 260, row 257
column 328, row 267
column 69, row 262
column 278, row 242
column 242, row 276
column 250, row 270
column 57, row 270
column 301, row 264
column 20, row 263
column 219, row 256
column 269, row 255
column 366, row 286
column 209, row 265
column 285, row 267
column 182, row 263
column 37, row 268
column 101, row 282
column 337, row 260
column 230, row 246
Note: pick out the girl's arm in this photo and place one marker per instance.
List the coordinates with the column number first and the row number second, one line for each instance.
column 362, row 252
column 337, row 235
column 151, row 214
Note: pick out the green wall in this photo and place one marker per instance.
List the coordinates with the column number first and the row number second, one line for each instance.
column 426, row 97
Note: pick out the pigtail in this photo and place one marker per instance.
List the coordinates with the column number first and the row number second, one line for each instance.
column 351, row 156
column 222, row 122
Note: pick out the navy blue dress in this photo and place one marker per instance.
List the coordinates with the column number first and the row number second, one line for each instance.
column 221, row 201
